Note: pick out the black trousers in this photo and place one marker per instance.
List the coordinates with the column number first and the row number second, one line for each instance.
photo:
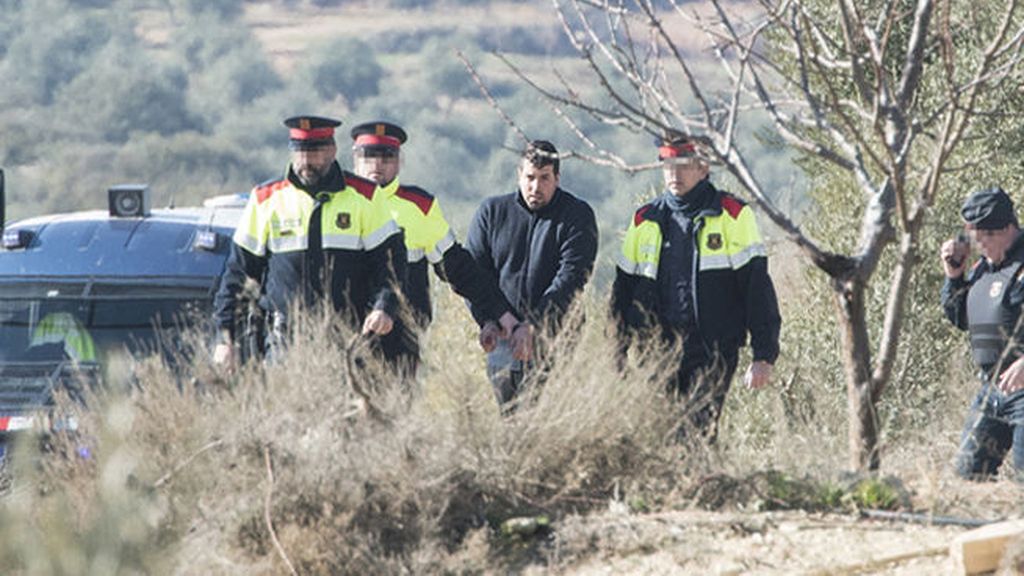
column 700, row 385
column 400, row 349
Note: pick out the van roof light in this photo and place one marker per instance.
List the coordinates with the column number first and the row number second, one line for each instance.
column 129, row 200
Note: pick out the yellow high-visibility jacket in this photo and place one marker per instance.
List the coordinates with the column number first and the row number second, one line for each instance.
column 334, row 242
column 732, row 292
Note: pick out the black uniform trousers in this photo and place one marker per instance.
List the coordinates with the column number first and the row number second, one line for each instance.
column 701, row 384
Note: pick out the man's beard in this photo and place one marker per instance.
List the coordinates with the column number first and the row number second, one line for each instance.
column 311, row 175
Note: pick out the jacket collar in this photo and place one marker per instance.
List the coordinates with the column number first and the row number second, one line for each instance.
column 333, row 182
column 548, row 208
column 391, row 189
column 713, row 206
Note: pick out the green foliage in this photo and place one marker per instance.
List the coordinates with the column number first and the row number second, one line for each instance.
column 209, row 8
column 345, row 68
column 51, row 45
column 122, row 91
column 186, row 167
column 226, row 66
column 873, row 494
column 443, row 73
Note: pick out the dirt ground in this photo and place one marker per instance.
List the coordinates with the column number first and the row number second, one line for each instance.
column 696, row 542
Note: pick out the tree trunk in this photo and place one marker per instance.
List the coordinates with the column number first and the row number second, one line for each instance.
column 863, row 431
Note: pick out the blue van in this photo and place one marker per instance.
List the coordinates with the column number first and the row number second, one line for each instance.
column 78, row 291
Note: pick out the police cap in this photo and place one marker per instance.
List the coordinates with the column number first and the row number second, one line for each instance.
column 378, row 138
column 988, row 209
column 310, row 132
column 675, row 146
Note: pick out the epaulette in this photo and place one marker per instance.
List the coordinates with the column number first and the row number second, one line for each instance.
column 732, row 204
column 642, row 213
column 361, row 185
column 267, row 189
column 418, row 196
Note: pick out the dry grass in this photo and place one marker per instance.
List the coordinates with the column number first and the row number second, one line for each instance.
column 189, row 455
column 201, row 473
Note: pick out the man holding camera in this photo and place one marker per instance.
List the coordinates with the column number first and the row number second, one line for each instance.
column 986, row 301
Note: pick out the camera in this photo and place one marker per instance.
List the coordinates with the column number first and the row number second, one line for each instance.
column 952, row 260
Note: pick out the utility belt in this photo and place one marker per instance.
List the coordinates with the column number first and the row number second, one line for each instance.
column 990, row 373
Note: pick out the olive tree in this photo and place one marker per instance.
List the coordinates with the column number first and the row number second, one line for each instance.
column 883, row 92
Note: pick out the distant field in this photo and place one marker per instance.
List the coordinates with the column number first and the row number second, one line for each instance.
column 288, row 31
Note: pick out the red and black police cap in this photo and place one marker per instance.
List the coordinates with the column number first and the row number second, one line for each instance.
column 676, row 145
column 378, row 137
column 310, row 132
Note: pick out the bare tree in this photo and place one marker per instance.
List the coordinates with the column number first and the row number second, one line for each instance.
column 883, row 91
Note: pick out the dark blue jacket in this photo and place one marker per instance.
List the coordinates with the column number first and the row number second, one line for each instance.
column 988, row 304
column 541, row 259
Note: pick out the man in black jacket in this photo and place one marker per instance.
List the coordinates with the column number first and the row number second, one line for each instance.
column 693, row 270
column 986, row 301
column 539, row 244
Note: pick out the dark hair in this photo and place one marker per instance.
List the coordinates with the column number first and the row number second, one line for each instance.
column 541, row 153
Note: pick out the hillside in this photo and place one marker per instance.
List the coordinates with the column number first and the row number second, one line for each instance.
column 199, row 471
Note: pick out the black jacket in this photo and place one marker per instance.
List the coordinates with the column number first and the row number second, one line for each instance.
column 541, row 259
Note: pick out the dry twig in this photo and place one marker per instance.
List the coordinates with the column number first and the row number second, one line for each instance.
column 267, row 501
column 181, row 465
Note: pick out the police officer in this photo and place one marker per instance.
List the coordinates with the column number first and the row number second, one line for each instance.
column 314, row 235
column 376, row 154
column 986, row 301
column 65, row 329
column 694, row 269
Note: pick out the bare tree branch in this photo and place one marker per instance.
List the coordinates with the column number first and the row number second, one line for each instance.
column 490, row 99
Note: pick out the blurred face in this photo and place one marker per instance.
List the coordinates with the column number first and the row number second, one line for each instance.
column 382, row 168
column 993, row 244
column 536, row 185
column 311, row 166
column 682, row 174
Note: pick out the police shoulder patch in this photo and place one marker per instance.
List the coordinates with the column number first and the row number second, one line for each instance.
column 732, row 205
column 361, row 185
column 421, row 198
column 267, row 189
column 642, row 213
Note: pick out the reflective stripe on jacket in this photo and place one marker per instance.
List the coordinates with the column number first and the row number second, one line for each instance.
column 351, row 254
column 733, row 292
column 430, row 240
column 277, row 218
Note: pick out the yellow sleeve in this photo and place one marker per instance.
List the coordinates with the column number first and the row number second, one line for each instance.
column 251, row 232
column 641, row 249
